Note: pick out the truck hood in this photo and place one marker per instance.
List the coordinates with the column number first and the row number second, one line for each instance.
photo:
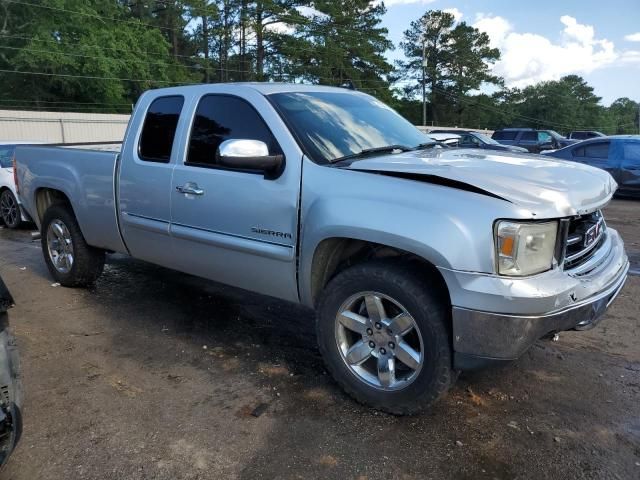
column 546, row 187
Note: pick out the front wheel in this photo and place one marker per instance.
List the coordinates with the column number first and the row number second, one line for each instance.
column 10, row 209
column 382, row 330
column 71, row 261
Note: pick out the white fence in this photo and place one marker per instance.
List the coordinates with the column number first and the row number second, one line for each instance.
column 59, row 127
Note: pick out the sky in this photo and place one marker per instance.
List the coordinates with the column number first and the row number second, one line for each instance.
column 545, row 40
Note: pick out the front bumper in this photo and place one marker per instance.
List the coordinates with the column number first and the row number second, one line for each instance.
column 532, row 307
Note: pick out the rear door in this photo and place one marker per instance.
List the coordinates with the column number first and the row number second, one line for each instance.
column 629, row 174
column 145, row 179
column 241, row 228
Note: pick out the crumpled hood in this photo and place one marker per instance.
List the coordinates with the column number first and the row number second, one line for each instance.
column 545, row 186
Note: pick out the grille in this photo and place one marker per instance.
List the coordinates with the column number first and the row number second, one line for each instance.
column 584, row 236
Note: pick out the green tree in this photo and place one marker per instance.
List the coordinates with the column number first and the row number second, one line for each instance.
column 625, row 115
column 85, row 51
column 447, row 59
column 342, row 43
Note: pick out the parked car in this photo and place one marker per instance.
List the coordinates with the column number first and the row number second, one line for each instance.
column 534, row 141
column 10, row 383
column 584, row 134
column 446, row 139
column 471, row 139
column 11, row 213
column 419, row 261
column 619, row 155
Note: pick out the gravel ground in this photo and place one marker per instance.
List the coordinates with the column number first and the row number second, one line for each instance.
column 154, row 374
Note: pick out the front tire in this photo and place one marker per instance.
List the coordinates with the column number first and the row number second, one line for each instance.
column 10, row 209
column 382, row 331
column 71, row 261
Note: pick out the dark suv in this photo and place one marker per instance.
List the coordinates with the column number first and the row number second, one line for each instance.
column 534, row 141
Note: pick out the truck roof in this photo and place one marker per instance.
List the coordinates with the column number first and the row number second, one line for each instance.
column 266, row 88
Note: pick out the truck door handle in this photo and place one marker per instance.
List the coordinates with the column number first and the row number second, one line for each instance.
column 189, row 189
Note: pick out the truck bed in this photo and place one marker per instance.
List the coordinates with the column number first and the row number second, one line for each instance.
column 86, row 177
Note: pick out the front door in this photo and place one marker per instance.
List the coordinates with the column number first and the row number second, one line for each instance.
column 234, row 226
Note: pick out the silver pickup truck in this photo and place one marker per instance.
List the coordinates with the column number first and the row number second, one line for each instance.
column 419, row 260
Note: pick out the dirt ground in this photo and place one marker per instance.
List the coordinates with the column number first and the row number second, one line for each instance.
column 154, row 374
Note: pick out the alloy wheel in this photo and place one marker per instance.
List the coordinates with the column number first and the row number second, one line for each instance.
column 379, row 341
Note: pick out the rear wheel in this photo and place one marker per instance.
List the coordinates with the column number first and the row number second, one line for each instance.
column 10, row 209
column 70, row 260
column 382, row 331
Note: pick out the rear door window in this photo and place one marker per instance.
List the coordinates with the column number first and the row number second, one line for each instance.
column 529, row 136
column 6, row 156
column 159, row 130
column 597, row 150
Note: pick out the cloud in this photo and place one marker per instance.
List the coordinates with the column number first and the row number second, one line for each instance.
column 457, row 14
column 633, row 37
column 528, row 58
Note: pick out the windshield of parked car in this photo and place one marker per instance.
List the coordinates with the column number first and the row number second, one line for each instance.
column 554, row 134
column 6, row 156
column 486, row 139
column 333, row 125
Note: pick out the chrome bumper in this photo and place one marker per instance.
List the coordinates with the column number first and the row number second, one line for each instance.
column 480, row 337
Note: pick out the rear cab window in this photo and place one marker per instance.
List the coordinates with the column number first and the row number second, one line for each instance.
column 159, row 129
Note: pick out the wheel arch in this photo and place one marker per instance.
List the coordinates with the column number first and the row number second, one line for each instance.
column 45, row 197
column 333, row 255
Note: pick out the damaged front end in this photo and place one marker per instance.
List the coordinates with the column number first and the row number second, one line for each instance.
column 10, row 383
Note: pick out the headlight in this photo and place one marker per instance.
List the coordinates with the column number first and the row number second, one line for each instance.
column 525, row 248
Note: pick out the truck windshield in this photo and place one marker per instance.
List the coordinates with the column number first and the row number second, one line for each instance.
column 334, row 125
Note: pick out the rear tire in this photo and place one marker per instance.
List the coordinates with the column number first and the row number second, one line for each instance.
column 71, row 261
column 10, row 210
column 397, row 291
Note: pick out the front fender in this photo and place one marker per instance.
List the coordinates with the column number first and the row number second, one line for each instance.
column 447, row 227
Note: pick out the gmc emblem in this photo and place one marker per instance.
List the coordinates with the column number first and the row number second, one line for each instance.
column 593, row 233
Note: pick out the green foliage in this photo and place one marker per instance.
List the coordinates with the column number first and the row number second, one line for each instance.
column 98, row 56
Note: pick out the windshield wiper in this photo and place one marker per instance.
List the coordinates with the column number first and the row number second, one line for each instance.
column 424, row 146
column 373, row 151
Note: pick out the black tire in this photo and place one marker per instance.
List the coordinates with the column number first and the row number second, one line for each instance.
column 88, row 262
column 14, row 219
column 424, row 301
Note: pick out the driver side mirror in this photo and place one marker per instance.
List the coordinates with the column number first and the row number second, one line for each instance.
column 249, row 155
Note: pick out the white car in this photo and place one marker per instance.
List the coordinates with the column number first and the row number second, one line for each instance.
column 11, row 213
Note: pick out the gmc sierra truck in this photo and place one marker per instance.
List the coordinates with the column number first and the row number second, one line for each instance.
column 419, row 260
